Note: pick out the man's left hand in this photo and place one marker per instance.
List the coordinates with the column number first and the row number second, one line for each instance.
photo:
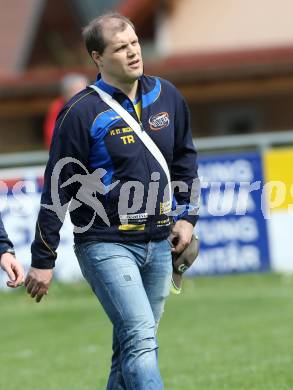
column 181, row 235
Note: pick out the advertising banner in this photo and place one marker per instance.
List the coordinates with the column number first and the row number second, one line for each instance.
column 232, row 227
column 20, row 194
column 278, row 167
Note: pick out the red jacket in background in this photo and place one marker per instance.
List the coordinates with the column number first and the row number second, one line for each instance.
column 50, row 120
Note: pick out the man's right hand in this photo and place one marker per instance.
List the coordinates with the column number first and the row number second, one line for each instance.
column 37, row 282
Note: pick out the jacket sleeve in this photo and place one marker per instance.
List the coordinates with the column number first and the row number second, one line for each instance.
column 184, row 166
column 5, row 243
column 68, row 153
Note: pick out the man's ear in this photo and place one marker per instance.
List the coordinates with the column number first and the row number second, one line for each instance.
column 97, row 58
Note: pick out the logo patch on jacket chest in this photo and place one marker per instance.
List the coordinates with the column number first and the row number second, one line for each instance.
column 159, row 121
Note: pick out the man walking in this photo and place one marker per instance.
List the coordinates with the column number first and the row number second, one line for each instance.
column 116, row 193
column 8, row 262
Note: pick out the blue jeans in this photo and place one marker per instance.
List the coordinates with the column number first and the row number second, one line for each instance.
column 131, row 282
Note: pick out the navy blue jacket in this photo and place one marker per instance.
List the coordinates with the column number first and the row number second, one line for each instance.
column 89, row 131
column 5, row 243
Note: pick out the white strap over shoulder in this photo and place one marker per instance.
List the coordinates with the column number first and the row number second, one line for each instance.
column 137, row 128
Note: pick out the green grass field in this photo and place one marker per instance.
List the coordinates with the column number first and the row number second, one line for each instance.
column 226, row 333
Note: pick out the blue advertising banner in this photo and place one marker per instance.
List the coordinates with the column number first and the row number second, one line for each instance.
column 232, row 228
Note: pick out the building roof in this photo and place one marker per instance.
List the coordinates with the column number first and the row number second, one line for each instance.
column 90, row 9
column 22, row 20
column 209, row 67
column 18, row 24
column 241, row 63
column 138, row 11
column 193, row 67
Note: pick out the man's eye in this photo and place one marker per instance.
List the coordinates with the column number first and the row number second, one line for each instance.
column 121, row 48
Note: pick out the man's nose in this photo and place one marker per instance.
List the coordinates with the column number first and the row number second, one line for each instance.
column 131, row 51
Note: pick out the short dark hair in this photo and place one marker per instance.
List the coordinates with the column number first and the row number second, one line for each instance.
column 93, row 32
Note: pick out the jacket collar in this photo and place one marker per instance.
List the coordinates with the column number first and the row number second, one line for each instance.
column 110, row 89
column 149, row 87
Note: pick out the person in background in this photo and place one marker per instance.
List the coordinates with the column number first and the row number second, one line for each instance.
column 8, row 262
column 70, row 85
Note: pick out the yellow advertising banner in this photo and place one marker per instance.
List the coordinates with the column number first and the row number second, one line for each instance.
column 278, row 173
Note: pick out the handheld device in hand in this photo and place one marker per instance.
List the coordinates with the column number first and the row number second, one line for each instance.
column 181, row 263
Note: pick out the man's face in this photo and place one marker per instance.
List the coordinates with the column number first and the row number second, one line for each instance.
column 121, row 61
